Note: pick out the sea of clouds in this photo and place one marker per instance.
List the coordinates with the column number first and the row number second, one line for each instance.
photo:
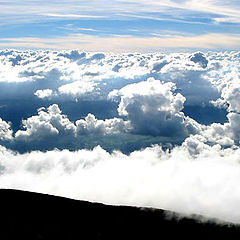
column 152, row 130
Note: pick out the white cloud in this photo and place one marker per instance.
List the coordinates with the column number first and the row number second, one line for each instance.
column 91, row 125
column 51, row 122
column 127, row 43
column 5, row 130
column 77, row 88
column 45, row 124
column 224, row 134
column 192, row 179
column 153, row 108
column 77, row 73
column 226, row 9
column 45, row 93
column 72, row 16
column 231, row 96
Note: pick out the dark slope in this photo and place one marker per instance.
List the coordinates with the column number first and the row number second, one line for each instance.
column 26, row 215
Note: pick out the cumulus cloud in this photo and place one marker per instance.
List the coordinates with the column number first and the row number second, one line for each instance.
column 91, row 125
column 153, row 108
column 230, row 97
column 46, row 93
column 226, row 134
column 5, row 130
column 51, row 122
column 45, row 124
column 199, row 77
column 192, row 76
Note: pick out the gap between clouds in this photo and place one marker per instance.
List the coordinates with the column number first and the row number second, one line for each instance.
column 150, row 108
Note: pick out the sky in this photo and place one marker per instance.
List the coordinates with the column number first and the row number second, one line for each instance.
column 120, row 25
column 123, row 102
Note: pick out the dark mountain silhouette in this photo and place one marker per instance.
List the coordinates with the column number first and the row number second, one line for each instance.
column 26, row 215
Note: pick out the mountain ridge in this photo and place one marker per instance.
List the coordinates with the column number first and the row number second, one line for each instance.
column 31, row 215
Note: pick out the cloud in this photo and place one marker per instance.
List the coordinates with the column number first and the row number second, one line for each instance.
column 73, row 55
column 148, row 108
column 72, row 16
column 195, row 174
column 5, row 130
column 153, row 108
column 80, row 80
column 91, row 125
column 60, row 76
column 230, row 96
column 45, row 124
column 30, row 11
column 45, row 93
column 227, row 10
column 50, row 125
column 127, row 43
column 77, row 88
column 226, row 134
column 192, row 179
column 192, row 75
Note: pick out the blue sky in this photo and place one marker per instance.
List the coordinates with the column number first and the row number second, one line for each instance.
column 120, row 25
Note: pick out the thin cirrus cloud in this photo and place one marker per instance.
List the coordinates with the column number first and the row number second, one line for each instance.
column 128, row 43
column 72, row 15
column 228, row 10
column 43, row 25
column 111, row 9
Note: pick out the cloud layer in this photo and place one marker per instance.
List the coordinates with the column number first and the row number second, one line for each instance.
column 144, row 111
column 192, row 179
